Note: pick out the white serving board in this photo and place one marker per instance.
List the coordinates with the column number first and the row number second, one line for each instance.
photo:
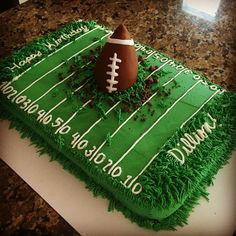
column 89, row 215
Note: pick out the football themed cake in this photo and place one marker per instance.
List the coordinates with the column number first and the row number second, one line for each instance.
column 138, row 127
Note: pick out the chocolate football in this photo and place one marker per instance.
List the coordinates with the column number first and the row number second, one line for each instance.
column 117, row 67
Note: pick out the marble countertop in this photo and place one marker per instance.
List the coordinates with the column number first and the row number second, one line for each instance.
column 209, row 47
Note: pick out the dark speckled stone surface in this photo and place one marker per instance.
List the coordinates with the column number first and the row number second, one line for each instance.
column 24, row 212
column 207, row 47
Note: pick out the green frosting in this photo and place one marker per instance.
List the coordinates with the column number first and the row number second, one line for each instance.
column 151, row 150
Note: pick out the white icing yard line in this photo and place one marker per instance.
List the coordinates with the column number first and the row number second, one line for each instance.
column 145, row 167
column 80, row 87
column 29, row 86
column 85, row 104
column 87, row 47
column 199, row 108
column 94, row 124
column 153, row 125
column 18, row 76
column 49, row 90
column 157, row 69
column 57, row 105
column 65, row 123
column 173, row 78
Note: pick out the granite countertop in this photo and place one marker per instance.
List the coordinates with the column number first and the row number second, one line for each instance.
column 209, row 47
